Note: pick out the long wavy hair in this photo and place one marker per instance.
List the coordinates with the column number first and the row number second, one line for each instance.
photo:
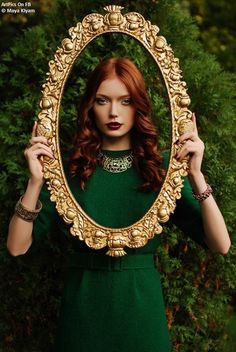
column 88, row 139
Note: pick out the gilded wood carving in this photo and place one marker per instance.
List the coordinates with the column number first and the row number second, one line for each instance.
column 92, row 26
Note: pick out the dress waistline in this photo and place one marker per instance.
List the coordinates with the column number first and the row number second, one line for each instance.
column 93, row 261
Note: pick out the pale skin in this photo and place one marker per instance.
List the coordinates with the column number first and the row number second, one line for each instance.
column 113, row 103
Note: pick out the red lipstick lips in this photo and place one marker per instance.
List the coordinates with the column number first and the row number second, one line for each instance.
column 114, row 125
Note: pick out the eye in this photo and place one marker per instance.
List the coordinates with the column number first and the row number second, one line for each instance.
column 127, row 101
column 100, row 100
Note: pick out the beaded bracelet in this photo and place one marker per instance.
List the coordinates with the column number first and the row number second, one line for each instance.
column 204, row 195
column 26, row 214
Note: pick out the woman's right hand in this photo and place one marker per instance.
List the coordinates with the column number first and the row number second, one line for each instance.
column 38, row 145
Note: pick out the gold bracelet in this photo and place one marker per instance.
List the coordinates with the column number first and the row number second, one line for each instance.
column 27, row 214
column 204, row 195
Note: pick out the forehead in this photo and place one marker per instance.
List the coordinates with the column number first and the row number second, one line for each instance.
column 112, row 87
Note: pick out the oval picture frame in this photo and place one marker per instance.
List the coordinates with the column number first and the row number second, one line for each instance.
column 93, row 25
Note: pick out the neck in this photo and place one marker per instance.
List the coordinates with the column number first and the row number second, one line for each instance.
column 116, row 144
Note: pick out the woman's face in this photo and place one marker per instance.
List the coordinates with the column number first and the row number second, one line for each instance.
column 114, row 114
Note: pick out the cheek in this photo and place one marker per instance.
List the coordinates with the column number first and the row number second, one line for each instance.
column 98, row 114
column 132, row 117
column 101, row 111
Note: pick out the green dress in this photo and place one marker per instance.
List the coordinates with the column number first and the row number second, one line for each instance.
column 114, row 304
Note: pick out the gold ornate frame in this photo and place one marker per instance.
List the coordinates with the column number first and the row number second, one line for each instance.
column 92, row 26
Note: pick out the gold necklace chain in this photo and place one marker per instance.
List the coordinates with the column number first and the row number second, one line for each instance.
column 116, row 165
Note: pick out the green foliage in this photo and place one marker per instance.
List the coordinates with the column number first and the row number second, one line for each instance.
column 197, row 285
column 216, row 20
column 10, row 23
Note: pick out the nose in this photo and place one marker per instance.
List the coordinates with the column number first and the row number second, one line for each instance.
column 113, row 110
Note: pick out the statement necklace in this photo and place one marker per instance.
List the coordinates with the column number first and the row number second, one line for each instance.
column 116, row 165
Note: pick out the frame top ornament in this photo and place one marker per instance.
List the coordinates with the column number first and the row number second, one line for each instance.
column 82, row 226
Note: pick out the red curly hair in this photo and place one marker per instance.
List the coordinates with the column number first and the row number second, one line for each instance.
column 88, row 140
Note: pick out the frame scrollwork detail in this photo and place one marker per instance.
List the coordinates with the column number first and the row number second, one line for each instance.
column 92, row 26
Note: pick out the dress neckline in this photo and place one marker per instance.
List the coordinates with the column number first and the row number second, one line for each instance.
column 116, row 153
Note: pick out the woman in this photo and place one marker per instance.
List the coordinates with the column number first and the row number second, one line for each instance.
column 115, row 173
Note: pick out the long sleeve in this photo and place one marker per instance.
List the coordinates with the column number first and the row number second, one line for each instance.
column 187, row 215
column 46, row 220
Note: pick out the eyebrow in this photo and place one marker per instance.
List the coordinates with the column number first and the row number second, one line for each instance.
column 106, row 96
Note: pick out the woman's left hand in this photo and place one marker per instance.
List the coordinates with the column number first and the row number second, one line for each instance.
column 192, row 146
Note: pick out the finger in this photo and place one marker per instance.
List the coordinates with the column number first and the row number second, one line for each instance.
column 34, row 154
column 188, row 147
column 188, row 135
column 40, row 151
column 180, row 156
column 194, row 122
column 34, row 131
column 40, row 146
column 39, row 139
